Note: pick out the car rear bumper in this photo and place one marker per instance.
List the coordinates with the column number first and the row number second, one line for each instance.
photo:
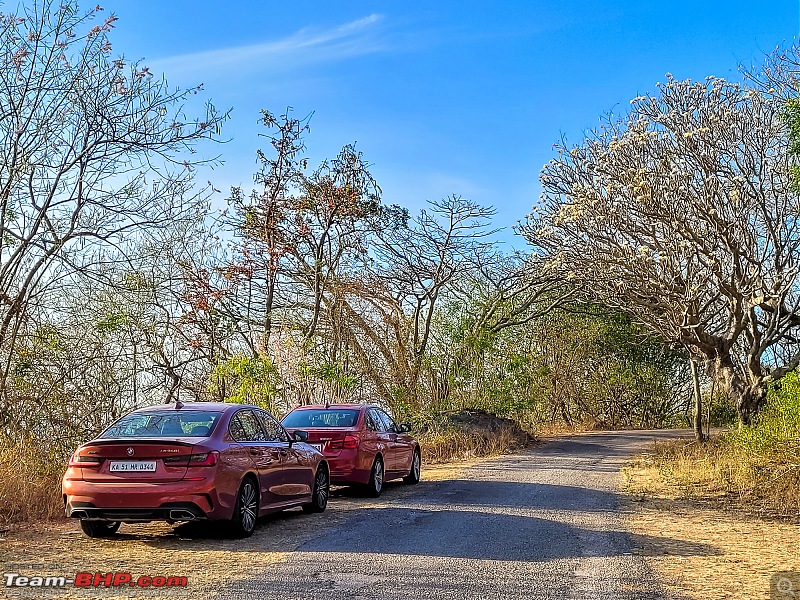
column 345, row 472
column 142, row 501
column 175, row 511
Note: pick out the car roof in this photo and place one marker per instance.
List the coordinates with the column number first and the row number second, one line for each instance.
column 207, row 406
column 350, row 406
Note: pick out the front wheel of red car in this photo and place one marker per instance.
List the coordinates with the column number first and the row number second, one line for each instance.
column 99, row 529
column 375, row 485
column 245, row 512
column 416, row 468
column 322, row 488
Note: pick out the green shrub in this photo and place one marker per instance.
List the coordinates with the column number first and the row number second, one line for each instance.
column 721, row 411
column 775, row 432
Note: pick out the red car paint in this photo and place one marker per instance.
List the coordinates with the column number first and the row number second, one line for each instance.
column 351, row 448
column 198, row 473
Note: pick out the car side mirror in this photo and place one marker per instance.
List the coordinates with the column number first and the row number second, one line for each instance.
column 405, row 428
column 300, row 436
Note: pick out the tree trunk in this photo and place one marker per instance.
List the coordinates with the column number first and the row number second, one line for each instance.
column 698, row 404
column 748, row 396
column 749, row 400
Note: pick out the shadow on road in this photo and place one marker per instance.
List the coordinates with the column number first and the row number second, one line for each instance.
column 288, row 524
column 503, row 494
column 492, row 516
column 457, row 519
column 485, row 536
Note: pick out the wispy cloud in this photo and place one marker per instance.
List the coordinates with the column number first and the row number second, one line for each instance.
column 307, row 46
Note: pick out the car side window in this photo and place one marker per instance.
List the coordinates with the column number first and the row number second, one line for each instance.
column 236, row 430
column 245, row 427
column 273, row 429
column 383, row 424
column 372, row 423
column 390, row 426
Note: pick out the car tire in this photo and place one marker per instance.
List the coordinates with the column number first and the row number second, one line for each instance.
column 245, row 511
column 416, row 469
column 321, row 492
column 376, row 478
column 99, row 529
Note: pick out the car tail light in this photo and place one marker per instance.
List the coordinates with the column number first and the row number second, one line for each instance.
column 85, row 462
column 207, row 459
column 350, row 442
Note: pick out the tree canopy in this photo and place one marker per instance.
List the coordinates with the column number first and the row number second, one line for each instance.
column 683, row 212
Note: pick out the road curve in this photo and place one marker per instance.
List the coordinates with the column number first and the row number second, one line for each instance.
column 545, row 524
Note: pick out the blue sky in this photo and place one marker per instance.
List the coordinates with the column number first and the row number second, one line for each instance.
column 442, row 97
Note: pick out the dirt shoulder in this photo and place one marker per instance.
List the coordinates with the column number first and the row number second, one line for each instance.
column 748, row 547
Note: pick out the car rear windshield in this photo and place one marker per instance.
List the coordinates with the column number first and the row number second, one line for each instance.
column 321, row 418
column 167, row 423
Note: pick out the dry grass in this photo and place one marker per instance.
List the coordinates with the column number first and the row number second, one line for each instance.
column 547, row 430
column 453, row 445
column 30, row 483
column 724, row 472
column 743, row 505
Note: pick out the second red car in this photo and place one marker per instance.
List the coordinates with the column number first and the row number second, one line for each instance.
column 361, row 443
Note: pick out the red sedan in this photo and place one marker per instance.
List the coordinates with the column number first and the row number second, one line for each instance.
column 193, row 461
column 362, row 444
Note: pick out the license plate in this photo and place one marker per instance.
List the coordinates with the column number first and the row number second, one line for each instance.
column 317, row 447
column 133, row 466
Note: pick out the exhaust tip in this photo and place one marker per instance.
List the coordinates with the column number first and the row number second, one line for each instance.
column 79, row 514
column 181, row 515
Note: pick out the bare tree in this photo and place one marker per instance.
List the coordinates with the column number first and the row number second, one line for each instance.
column 90, row 158
column 683, row 213
column 299, row 231
column 500, row 292
column 386, row 310
column 263, row 222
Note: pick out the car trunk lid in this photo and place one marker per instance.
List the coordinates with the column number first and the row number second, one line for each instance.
column 329, row 439
column 147, row 461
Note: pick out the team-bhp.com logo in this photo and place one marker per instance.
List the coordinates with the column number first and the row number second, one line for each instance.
column 87, row 580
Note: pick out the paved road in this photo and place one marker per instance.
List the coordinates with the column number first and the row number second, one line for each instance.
column 544, row 524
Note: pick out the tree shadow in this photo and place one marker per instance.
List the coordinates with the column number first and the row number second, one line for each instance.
column 487, row 520
column 503, row 494
column 486, row 536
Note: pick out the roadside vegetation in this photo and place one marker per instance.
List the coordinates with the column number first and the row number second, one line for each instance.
column 469, row 434
column 753, row 469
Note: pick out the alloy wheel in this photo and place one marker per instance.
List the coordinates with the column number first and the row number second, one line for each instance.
column 378, row 476
column 322, row 488
column 248, row 506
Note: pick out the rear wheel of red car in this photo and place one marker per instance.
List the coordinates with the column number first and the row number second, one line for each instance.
column 416, row 468
column 322, row 487
column 99, row 529
column 375, row 485
column 245, row 512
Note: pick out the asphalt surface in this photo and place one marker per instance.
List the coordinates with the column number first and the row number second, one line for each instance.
column 545, row 524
